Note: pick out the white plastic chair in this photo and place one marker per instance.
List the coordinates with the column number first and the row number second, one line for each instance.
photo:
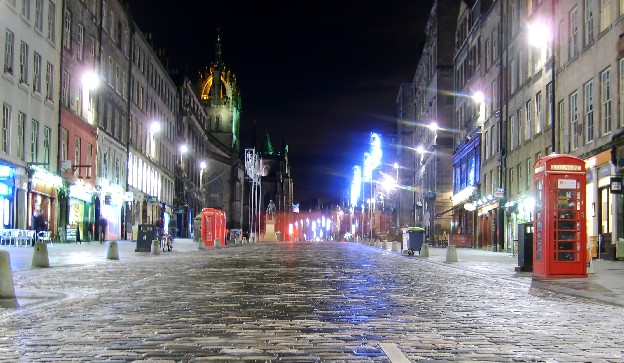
column 44, row 236
column 22, row 238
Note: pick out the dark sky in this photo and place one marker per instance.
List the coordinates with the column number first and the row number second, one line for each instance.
column 319, row 75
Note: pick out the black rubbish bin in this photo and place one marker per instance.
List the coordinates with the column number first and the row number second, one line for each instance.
column 525, row 247
column 145, row 236
column 415, row 240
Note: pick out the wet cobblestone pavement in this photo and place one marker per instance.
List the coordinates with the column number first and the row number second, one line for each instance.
column 296, row 302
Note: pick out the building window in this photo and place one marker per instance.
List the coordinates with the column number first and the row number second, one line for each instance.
column 519, row 174
column 34, row 141
column 77, row 148
column 511, row 179
column 486, row 145
column 6, row 126
column 588, row 34
column 574, row 41
column 23, row 77
column 605, row 100
column 39, row 15
column 574, row 125
column 80, row 41
column 37, row 73
column 529, row 119
column 117, row 170
column 539, row 120
column 89, row 155
column 51, row 22
column 105, row 165
column 67, row 29
column 46, row 144
column 65, row 82
column 588, row 106
column 49, row 82
column 564, row 137
column 520, row 126
column 21, row 123
column 92, row 47
column 550, row 101
column 64, row 144
column 605, row 14
column 8, row 51
column 26, row 9
column 529, row 166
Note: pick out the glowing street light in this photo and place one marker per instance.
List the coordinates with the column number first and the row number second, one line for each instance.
column 478, row 97
column 155, row 127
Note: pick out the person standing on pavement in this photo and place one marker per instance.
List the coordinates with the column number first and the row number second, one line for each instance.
column 38, row 224
column 103, row 228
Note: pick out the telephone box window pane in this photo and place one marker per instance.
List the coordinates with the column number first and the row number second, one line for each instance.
column 539, row 225
column 565, row 256
column 538, row 255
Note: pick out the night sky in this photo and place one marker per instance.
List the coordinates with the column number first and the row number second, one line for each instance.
column 319, row 76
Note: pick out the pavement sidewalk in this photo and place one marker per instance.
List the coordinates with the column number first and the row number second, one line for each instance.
column 605, row 281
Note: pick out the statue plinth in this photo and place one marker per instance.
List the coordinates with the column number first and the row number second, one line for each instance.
column 269, row 234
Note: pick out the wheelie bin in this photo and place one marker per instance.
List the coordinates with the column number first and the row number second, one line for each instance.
column 415, row 240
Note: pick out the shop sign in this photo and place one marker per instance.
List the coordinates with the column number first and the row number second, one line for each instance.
column 128, row 197
column 152, row 199
column 5, row 190
column 6, row 171
column 81, row 192
column 499, row 192
column 616, row 185
column 179, row 210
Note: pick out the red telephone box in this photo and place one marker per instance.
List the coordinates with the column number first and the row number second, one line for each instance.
column 559, row 238
column 213, row 226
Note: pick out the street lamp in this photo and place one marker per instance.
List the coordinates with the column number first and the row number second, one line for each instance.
column 202, row 166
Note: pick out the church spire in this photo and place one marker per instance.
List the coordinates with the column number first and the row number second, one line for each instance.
column 218, row 46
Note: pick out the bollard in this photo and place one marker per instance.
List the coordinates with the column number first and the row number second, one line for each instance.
column 40, row 255
column 155, row 247
column 217, row 242
column 396, row 246
column 451, row 253
column 424, row 250
column 202, row 246
column 245, row 240
column 113, row 251
column 7, row 289
column 384, row 245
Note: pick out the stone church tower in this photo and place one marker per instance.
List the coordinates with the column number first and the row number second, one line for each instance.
column 219, row 94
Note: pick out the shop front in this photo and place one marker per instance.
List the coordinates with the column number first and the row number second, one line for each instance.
column 604, row 205
column 7, row 196
column 108, row 211
column 42, row 194
column 518, row 211
column 81, row 214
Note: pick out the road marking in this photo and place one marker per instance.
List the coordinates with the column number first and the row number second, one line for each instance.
column 394, row 353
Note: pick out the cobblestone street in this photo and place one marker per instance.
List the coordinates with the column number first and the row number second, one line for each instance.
column 296, row 302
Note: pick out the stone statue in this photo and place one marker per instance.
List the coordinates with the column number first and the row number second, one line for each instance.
column 271, row 210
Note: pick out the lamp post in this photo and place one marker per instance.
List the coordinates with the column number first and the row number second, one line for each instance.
column 202, row 167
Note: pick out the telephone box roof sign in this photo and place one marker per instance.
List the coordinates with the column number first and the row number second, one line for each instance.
column 559, row 164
